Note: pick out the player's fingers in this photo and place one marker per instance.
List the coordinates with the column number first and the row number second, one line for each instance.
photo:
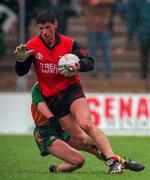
column 64, row 72
column 30, row 52
column 62, row 68
column 22, row 48
column 19, row 48
column 73, row 67
column 66, row 75
column 16, row 50
column 69, row 67
column 70, row 74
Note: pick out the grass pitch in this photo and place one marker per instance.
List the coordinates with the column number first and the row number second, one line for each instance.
column 20, row 160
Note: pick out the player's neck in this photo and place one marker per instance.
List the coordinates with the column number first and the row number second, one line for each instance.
column 51, row 43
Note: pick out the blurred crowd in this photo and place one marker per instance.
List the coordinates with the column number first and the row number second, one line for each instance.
column 99, row 21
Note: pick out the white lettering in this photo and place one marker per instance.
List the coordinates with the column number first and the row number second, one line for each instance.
column 49, row 68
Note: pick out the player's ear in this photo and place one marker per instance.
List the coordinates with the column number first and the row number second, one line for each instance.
column 56, row 24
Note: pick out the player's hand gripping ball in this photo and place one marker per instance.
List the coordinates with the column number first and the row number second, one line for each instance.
column 68, row 65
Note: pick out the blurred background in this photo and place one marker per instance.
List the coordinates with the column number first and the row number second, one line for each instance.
column 115, row 33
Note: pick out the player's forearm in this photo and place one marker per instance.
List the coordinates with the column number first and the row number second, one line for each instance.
column 23, row 68
column 43, row 108
column 86, row 64
column 39, row 101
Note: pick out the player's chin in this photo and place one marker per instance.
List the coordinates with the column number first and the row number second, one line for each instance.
column 46, row 39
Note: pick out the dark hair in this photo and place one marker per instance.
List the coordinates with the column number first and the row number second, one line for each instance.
column 45, row 16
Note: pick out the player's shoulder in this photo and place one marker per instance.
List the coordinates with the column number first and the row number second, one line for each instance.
column 66, row 38
column 33, row 41
column 66, row 41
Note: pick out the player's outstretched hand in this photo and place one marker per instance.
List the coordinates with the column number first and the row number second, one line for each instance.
column 22, row 53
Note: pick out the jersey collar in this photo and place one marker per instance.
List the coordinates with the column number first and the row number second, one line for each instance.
column 57, row 40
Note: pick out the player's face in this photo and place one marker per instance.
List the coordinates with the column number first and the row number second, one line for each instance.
column 47, row 31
